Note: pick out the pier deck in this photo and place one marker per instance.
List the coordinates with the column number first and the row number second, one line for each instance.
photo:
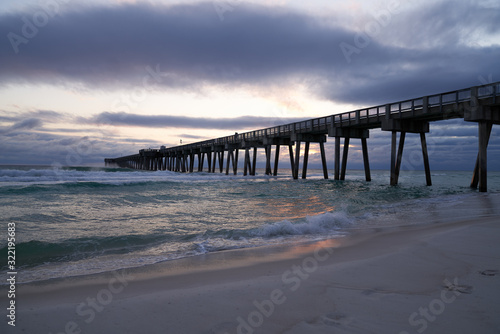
column 480, row 104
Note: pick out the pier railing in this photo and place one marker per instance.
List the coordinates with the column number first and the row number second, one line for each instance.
column 479, row 104
column 368, row 117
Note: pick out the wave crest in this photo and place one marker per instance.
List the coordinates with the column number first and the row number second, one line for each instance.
column 319, row 224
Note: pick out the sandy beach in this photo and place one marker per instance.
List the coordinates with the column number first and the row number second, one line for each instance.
column 434, row 278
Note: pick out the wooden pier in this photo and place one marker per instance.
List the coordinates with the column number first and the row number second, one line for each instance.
column 480, row 104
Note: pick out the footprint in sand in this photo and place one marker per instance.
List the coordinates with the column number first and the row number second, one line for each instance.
column 467, row 289
column 335, row 319
column 489, row 272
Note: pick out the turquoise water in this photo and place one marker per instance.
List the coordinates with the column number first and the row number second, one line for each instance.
column 75, row 221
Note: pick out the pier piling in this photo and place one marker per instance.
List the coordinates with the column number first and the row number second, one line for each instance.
column 480, row 104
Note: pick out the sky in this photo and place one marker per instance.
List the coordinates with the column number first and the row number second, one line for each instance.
column 84, row 81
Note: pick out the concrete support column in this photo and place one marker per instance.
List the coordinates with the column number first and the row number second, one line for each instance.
column 306, row 160
column 247, row 164
column 276, row 159
column 214, row 161
column 323, row 160
column 254, row 163
column 209, row 161
column 393, row 158
column 399, row 158
column 347, row 134
column 235, row 162
column 337, row 158
column 403, row 126
column 221, row 161
column 297, row 160
column 366, row 161
column 268, row 160
column 292, row 162
column 425, row 155
column 344, row 158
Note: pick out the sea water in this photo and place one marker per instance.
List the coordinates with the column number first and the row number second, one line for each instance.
column 81, row 220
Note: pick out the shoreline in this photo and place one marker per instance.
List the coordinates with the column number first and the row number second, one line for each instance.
column 336, row 284
column 446, row 210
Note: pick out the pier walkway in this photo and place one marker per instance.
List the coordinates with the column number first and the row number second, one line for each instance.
column 480, row 104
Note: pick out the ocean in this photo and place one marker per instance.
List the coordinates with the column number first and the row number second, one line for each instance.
column 82, row 220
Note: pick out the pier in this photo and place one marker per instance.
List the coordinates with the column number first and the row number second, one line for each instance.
column 479, row 104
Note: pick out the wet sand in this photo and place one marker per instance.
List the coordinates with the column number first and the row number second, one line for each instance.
column 434, row 278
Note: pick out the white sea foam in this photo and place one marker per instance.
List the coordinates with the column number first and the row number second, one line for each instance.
column 319, row 224
column 10, row 177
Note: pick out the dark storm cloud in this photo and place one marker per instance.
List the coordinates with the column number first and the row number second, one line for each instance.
column 186, row 46
column 189, row 43
column 167, row 121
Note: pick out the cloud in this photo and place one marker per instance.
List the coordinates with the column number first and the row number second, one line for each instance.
column 424, row 50
column 26, row 124
column 190, row 136
column 167, row 121
column 420, row 49
column 31, row 119
column 108, row 44
column 65, row 150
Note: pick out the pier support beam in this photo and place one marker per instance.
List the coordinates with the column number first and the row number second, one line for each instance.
column 297, row 160
column 396, row 160
column 229, row 155
column 306, row 160
column 268, row 143
column 393, row 158
column 276, row 159
column 480, row 170
column 209, row 161
column 221, row 161
column 254, row 164
column 247, row 165
column 235, row 162
column 347, row 134
column 337, row 158
column 201, row 160
column 268, row 160
column 218, row 154
column 191, row 162
column 366, row 161
column 485, row 116
column 323, row 160
column 214, row 161
column 232, row 156
column 298, row 138
column 250, row 164
column 425, row 155
column 403, row 126
column 344, row 158
column 292, row 161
